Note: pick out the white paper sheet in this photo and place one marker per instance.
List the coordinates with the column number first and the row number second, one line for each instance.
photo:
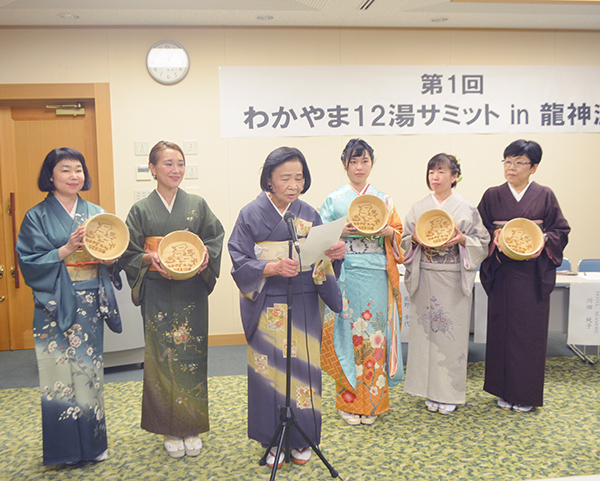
column 321, row 238
column 584, row 312
column 595, row 276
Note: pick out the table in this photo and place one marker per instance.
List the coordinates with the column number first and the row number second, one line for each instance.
column 574, row 309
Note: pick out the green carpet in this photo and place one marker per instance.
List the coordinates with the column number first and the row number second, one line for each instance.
column 478, row 442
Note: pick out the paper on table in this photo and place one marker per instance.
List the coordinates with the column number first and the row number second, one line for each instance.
column 321, row 238
column 590, row 275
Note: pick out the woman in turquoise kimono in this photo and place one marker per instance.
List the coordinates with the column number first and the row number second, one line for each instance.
column 175, row 312
column 361, row 345
column 73, row 297
column 258, row 247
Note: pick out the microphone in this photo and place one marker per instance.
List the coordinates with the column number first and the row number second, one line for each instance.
column 289, row 220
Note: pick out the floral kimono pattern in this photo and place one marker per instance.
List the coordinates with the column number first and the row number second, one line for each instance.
column 68, row 330
column 361, row 345
column 440, row 283
column 175, row 313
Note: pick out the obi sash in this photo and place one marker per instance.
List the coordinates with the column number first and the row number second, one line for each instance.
column 273, row 251
column 81, row 266
column 151, row 245
column 499, row 224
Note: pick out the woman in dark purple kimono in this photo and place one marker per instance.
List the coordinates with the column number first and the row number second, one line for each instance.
column 261, row 267
column 519, row 291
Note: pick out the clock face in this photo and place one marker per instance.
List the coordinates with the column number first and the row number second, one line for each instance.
column 167, row 62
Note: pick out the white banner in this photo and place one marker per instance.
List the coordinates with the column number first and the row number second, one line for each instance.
column 584, row 313
column 392, row 100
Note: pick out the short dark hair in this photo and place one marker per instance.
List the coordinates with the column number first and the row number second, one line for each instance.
column 163, row 145
column 278, row 157
column 443, row 159
column 528, row 148
column 357, row 148
column 45, row 183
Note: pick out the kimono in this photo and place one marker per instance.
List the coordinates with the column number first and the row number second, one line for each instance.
column 361, row 345
column 260, row 236
column 71, row 305
column 175, row 314
column 519, row 295
column 440, row 284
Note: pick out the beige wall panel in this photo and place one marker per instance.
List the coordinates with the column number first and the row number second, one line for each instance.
column 53, row 56
column 282, row 46
column 142, row 109
column 576, row 158
column 515, row 47
column 577, row 48
column 395, row 47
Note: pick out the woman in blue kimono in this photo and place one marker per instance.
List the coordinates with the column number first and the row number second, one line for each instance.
column 261, row 267
column 73, row 297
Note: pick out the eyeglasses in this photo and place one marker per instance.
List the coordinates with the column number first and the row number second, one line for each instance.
column 509, row 163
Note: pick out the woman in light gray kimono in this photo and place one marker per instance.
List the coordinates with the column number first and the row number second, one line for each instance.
column 73, row 297
column 440, row 283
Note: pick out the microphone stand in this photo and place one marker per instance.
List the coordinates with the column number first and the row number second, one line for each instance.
column 286, row 413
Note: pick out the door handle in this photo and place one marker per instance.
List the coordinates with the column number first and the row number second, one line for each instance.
column 1, row 272
column 14, row 269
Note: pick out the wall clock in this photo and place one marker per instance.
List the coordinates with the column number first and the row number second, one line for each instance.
column 167, row 62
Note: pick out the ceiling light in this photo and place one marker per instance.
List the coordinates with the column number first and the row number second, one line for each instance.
column 265, row 17
column 68, row 16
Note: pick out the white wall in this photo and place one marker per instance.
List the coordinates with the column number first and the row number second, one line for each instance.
column 229, row 169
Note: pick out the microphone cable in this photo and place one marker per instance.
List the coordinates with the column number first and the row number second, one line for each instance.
column 310, row 384
column 312, row 403
column 289, row 218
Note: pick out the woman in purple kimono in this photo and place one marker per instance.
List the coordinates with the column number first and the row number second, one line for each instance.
column 261, row 267
column 519, row 291
column 73, row 298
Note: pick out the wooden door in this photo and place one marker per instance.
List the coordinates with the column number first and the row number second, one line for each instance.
column 28, row 131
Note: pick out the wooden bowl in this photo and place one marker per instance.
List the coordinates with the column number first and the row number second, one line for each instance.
column 520, row 238
column 181, row 254
column 106, row 237
column 369, row 214
column 435, row 227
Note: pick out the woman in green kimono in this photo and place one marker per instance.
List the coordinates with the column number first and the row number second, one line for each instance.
column 175, row 312
column 73, row 297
